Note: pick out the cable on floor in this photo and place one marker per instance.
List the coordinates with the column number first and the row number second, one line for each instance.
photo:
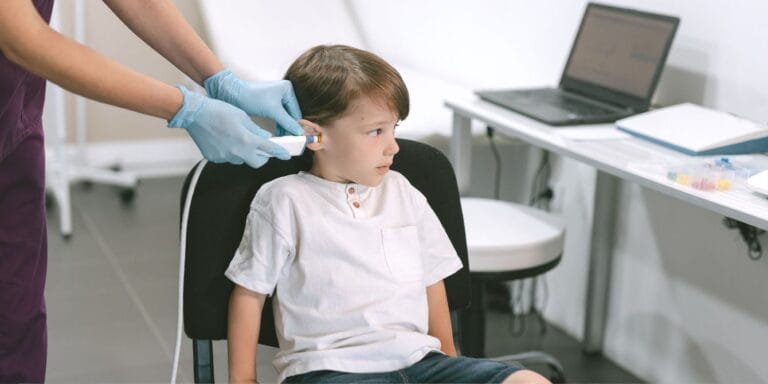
column 182, row 262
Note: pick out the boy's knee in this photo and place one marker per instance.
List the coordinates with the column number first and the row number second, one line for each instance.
column 526, row 376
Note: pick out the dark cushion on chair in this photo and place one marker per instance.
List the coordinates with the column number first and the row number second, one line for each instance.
column 217, row 219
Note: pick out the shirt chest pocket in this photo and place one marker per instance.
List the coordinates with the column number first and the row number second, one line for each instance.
column 403, row 253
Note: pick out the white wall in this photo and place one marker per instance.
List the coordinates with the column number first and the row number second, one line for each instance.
column 107, row 35
column 687, row 305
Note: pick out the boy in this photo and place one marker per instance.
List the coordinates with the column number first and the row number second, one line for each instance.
column 352, row 252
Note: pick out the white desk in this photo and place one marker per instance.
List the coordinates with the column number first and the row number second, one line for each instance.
column 627, row 159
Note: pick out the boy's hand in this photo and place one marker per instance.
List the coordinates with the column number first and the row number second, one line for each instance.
column 273, row 99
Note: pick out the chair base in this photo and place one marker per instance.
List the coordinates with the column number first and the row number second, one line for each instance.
column 472, row 320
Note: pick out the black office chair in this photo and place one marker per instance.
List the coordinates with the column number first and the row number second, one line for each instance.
column 219, row 207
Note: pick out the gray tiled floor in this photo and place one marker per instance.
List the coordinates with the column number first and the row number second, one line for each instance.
column 111, row 289
column 111, row 295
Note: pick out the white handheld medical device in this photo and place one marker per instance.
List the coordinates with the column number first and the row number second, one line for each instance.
column 294, row 144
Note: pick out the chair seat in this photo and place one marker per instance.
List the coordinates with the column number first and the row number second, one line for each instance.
column 504, row 236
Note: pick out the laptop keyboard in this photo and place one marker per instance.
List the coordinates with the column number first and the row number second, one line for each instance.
column 572, row 104
column 554, row 106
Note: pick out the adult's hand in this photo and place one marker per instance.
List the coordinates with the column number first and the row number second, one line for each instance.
column 223, row 132
column 272, row 99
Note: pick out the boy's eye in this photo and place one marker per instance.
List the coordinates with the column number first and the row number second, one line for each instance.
column 374, row 132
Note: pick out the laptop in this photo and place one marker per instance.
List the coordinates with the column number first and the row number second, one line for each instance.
column 611, row 72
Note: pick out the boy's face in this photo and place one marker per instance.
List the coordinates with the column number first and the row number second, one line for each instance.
column 358, row 147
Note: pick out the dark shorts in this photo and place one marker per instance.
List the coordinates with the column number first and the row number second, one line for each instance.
column 23, row 262
column 434, row 368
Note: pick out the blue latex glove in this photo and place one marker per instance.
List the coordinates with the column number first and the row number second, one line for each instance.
column 224, row 133
column 271, row 99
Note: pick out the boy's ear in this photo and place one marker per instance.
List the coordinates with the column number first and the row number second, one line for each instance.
column 311, row 128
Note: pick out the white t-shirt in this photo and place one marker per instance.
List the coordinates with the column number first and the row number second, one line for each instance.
column 348, row 266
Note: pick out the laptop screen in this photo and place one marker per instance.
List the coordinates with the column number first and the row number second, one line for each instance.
column 620, row 49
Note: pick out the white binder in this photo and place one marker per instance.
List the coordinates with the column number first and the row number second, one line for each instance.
column 696, row 130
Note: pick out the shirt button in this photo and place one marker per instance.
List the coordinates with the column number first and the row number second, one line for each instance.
column 351, row 190
column 356, row 204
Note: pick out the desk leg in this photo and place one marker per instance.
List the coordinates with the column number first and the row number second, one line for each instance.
column 603, row 221
column 461, row 150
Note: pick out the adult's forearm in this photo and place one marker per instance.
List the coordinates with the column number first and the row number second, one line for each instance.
column 160, row 24
column 87, row 73
column 29, row 42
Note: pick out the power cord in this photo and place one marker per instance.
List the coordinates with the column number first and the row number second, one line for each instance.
column 182, row 263
column 518, row 319
column 541, row 192
column 497, row 157
column 541, row 195
column 539, row 313
column 517, row 325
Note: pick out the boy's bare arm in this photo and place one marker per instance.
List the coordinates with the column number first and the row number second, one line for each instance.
column 440, row 317
column 243, row 333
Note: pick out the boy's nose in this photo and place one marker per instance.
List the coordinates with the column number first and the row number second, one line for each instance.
column 392, row 149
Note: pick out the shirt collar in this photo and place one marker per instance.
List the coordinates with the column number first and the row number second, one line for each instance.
column 335, row 186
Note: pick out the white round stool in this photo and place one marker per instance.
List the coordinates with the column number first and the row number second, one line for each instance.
column 505, row 241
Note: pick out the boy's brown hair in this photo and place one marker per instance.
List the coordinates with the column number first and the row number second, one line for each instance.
column 328, row 78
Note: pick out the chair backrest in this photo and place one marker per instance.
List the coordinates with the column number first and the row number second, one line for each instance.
column 217, row 216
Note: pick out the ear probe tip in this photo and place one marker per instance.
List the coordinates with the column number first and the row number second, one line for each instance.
column 295, row 144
